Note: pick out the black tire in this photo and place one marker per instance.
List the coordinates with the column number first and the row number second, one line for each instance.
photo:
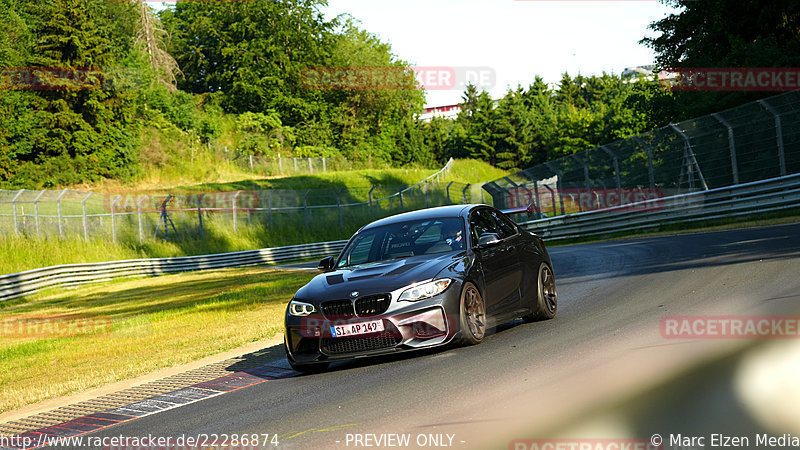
column 472, row 315
column 545, row 305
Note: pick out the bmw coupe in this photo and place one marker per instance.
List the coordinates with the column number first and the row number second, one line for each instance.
column 417, row 280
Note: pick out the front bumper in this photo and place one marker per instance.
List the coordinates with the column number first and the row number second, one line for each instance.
column 407, row 326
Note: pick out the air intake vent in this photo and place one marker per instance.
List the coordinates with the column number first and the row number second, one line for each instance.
column 372, row 305
column 338, row 309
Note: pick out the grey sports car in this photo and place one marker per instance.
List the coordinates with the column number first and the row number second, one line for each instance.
column 417, row 280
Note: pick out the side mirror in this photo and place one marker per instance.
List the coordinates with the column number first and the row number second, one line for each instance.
column 488, row 240
column 327, row 264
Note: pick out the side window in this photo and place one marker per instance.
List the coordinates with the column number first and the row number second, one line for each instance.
column 505, row 225
column 481, row 223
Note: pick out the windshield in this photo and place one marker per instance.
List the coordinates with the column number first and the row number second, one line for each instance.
column 404, row 239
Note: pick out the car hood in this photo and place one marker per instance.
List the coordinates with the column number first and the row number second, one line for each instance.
column 381, row 277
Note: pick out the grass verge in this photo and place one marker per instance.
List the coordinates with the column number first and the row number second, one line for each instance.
column 256, row 230
column 134, row 327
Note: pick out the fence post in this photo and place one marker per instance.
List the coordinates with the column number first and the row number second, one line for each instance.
column 688, row 148
column 251, row 162
column 139, row 213
column 36, row 211
column 280, row 164
column 310, row 167
column 448, row 192
column 371, row 213
column 552, row 199
column 200, row 214
column 58, row 206
column 731, row 146
column 402, row 208
column 14, row 205
column 617, row 175
column 233, row 204
column 427, row 190
column 464, row 194
column 650, row 170
column 586, row 179
column 324, row 167
column 85, row 225
column 114, row 220
column 778, row 135
column 295, row 165
column 558, row 185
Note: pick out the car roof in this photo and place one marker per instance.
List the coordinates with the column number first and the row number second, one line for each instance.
column 422, row 214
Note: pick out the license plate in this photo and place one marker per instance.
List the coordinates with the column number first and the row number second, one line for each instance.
column 352, row 329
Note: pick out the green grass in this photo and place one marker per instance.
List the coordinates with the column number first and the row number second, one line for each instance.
column 154, row 323
column 254, row 229
column 218, row 177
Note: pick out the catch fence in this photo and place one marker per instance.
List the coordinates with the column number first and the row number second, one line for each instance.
column 327, row 213
column 752, row 142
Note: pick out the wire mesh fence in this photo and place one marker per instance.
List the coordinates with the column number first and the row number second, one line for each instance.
column 138, row 217
column 294, row 165
column 755, row 141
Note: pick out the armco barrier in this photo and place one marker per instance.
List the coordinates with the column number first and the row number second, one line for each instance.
column 23, row 283
column 739, row 200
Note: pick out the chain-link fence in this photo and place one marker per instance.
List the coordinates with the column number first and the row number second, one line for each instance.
column 294, row 165
column 323, row 213
column 755, row 141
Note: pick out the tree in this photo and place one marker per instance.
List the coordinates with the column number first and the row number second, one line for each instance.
column 150, row 35
column 77, row 132
column 725, row 33
column 255, row 53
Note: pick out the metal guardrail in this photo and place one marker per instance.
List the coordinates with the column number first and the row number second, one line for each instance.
column 731, row 201
column 24, row 283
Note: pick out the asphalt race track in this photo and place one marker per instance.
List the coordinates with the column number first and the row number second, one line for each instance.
column 603, row 350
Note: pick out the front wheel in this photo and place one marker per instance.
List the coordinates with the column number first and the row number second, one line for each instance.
column 472, row 315
column 545, row 305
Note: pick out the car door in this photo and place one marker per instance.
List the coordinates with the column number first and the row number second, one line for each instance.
column 521, row 247
column 500, row 264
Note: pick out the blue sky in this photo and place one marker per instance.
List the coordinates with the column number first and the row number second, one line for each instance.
column 510, row 41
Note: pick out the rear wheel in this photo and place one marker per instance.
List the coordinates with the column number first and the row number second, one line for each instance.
column 472, row 315
column 545, row 305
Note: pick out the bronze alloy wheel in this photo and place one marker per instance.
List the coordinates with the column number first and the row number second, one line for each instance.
column 545, row 305
column 473, row 315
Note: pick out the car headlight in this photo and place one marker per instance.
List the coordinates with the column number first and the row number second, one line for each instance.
column 300, row 309
column 425, row 290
